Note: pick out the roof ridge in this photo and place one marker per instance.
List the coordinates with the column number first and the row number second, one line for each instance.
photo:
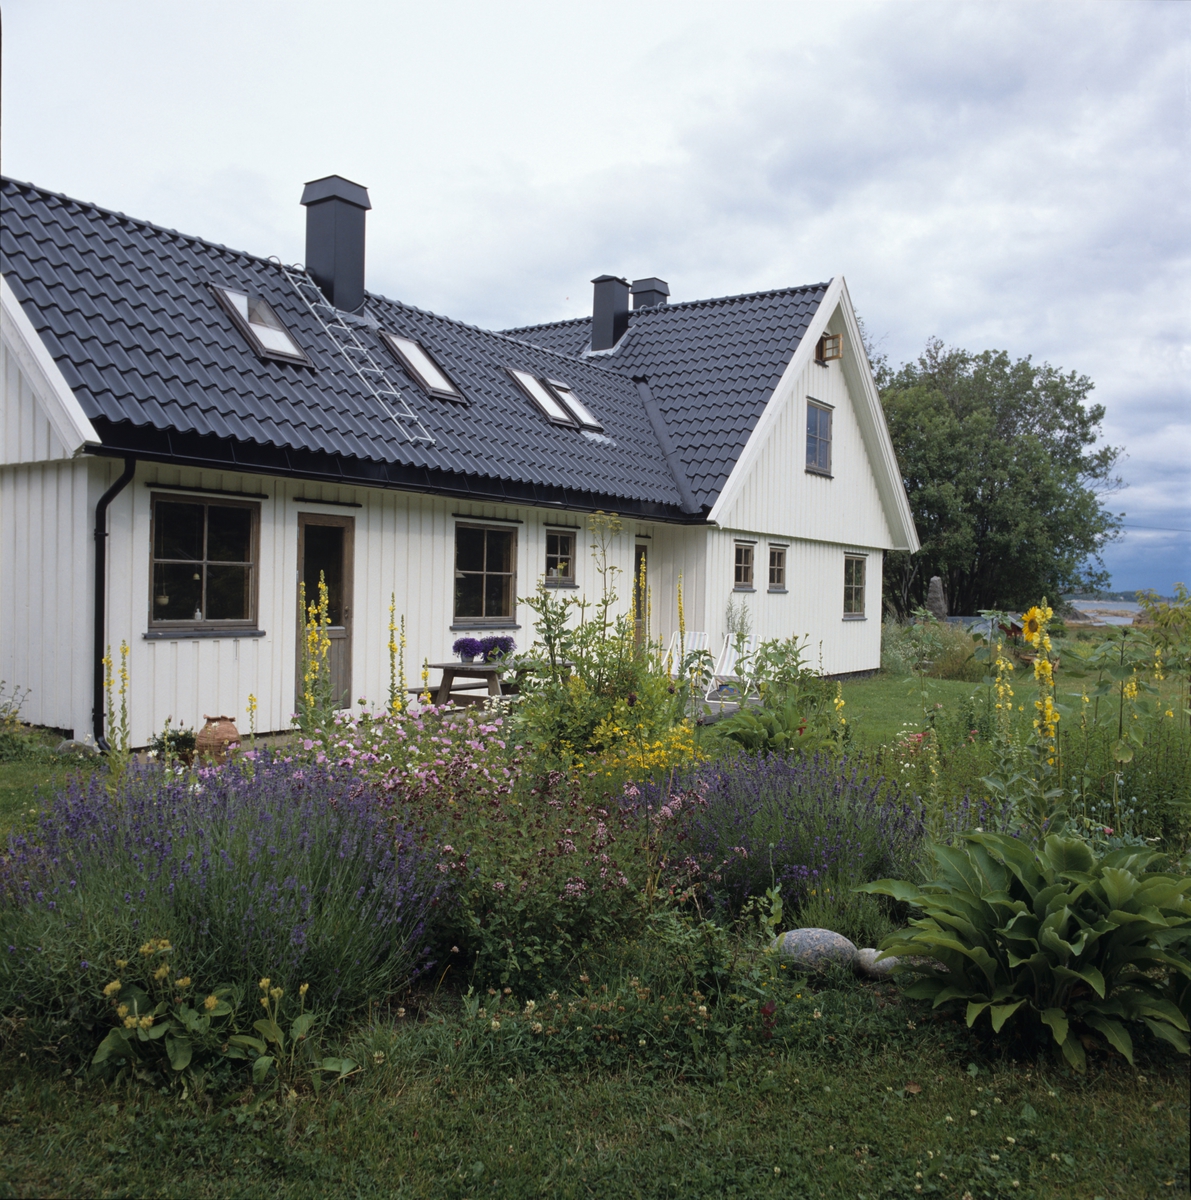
column 140, row 221
column 657, row 309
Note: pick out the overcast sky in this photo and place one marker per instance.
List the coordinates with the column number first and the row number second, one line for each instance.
column 1010, row 176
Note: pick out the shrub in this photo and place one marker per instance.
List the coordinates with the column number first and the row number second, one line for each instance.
column 1053, row 936
column 806, row 824
column 941, row 649
column 251, row 869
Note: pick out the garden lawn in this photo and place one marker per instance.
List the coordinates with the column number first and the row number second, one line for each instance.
column 773, row 1126
column 20, row 785
column 877, row 708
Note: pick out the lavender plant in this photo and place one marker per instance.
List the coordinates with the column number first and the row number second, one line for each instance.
column 812, row 826
column 255, row 868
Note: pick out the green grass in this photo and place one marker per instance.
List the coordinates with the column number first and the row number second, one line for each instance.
column 840, row 1116
column 21, row 783
column 879, row 707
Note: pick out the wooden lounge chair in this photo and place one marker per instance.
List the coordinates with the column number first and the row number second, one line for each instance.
column 727, row 683
column 692, row 643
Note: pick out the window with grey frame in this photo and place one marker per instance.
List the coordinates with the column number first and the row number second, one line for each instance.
column 560, row 558
column 485, row 575
column 203, row 570
column 818, row 438
column 743, row 581
column 777, row 568
column 854, row 585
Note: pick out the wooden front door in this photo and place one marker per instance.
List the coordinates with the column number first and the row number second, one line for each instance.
column 325, row 546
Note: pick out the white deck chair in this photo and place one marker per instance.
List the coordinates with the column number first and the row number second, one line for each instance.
column 692, row 642
column 726, row 678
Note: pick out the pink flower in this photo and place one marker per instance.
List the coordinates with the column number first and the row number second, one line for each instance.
column 1108, row 830
column 307, row 744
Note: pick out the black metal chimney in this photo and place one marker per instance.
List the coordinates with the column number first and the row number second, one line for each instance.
column 610, row 311
column 335, row 209
column 649, row 292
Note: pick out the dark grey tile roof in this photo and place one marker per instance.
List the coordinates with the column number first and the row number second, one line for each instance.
column 124, row 308
column 711, row 366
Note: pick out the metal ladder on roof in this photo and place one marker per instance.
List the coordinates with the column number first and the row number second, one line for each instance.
column 359, row 357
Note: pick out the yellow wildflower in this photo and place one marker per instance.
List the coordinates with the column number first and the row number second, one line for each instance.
column 1131, row 690
column 264, row 1002
column 130, row 1022
column 122, row 1011
column 210, row 1003
column 276, row 993
column 112, row 988
column 162, row 971
column 265, row 984
column 146, row 1022
column 183, row 982
column 121, row 963
column 303, row 989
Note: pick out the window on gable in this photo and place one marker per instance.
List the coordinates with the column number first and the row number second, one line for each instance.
column 204, row 563
column 744, row 567
column 574, row 405
column 818, row 438
column 256, row 320
column 485, row 575
column 830, row 347
column 560, row 559
column 777, row 568
column 853, row 585
column 422, row 368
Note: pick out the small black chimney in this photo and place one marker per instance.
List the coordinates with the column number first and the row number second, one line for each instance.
column 335, row 209
column 610, row 311
column 649, row 292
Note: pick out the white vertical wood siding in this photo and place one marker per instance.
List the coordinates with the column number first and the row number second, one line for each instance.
column 782, row 497
column 26, row 435
column 812, row 608
column 45, row 587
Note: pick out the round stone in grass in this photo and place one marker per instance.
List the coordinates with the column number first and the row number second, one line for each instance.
column 866, row 963
column 814, row 949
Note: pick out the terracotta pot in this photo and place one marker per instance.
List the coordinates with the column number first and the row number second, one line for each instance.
column 216, row 738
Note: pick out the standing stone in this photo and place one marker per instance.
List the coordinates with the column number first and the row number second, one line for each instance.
column 936, row 602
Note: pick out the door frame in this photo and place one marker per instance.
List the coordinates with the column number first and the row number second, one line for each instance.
column 348, row 525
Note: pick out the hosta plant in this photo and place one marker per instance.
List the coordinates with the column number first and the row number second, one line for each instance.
column 1052, row 934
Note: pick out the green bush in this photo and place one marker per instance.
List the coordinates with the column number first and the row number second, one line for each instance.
column 1055, row 936
column 939, row 649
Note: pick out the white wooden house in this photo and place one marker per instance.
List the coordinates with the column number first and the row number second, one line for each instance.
column 187, row 432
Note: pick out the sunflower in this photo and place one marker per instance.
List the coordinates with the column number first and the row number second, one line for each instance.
column 1033, row 624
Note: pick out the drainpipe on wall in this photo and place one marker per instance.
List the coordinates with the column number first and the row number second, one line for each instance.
column 101, row 562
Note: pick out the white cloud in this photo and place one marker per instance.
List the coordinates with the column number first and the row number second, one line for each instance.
column 999, row 175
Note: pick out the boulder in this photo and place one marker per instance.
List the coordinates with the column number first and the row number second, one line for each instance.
column 71, row 746
column 866, row 963
column 814, row 949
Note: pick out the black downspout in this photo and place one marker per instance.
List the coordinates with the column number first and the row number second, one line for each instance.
column 101, row 562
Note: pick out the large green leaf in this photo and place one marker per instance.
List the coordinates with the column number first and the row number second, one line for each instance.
column 975, row 1008
column 1001, row 1013
column 1073, row 1053
column 957, row 863
column 270, row 1031
column 1116, row 1033
column 115, row 1045
column 1168, row 1034
column 1086, row 974
column 179, row 1051
column 250, row 1043
column 897, row 888
column 1068, row 854
column 1119, row 886
column 260, row 1068
column 1057, row 1020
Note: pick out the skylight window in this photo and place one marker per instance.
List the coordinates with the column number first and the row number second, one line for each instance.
column 262, row 326
column 543, row 397
column 421, row 367
column 574, row 405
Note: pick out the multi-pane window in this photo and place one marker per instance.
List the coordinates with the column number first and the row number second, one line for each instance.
column 818, row 438
column 203, row 569
column 777, row 568
column 830, row 347
column 853, row 586
column 744, row 565
column 485, row 574
column 560, row 558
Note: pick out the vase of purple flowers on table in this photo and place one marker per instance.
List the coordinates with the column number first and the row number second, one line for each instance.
column 496, row 647
column 468, row 648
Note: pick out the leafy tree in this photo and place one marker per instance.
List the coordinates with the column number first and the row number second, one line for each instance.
column 1004, row 477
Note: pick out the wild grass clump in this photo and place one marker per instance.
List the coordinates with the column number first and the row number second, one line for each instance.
column 258, row 868
column 940, row 649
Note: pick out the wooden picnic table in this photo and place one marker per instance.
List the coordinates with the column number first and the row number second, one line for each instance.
column 486, row 673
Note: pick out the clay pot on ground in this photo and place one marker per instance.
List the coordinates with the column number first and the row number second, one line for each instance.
column 216, row 739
